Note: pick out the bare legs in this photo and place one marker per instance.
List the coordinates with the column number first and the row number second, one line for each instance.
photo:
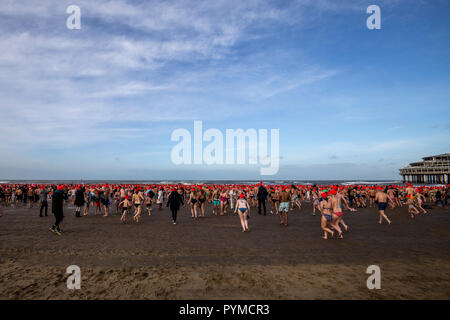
column 383, row 216
column 323, row 225
column 194, row 210
column 283, row 217
column 244, row 221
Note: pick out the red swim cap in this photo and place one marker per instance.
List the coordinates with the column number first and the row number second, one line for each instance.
column 324, row 194
column 241, row 195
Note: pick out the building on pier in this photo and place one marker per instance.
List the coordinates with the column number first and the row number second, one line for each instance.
column 432, row 170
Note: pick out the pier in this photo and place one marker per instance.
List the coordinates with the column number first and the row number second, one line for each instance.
column 431, row 170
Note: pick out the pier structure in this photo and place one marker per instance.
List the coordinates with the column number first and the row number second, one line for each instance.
column 431, row 170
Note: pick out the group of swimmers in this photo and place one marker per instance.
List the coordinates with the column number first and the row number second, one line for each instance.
column 329, row 201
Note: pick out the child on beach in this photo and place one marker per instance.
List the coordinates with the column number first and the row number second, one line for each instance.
column 125, row 204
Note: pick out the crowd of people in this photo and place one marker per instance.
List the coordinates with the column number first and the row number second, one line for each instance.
column 136, row 200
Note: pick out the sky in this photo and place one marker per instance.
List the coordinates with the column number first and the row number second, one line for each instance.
column 102, row 102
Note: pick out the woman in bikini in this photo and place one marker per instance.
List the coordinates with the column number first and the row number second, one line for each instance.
column 137, row 200
column 242, row 208
column 326, row 208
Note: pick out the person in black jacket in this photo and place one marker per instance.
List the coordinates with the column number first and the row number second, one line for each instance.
column 79, row 201
column 262, row 196
column 174, row 202
column 58, row 198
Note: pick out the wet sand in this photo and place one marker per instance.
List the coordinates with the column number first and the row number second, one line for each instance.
column 212, row 259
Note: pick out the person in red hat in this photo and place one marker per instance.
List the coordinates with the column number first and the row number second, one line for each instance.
column 337, row 200
column 243, row 208
column 125, row 204
column 326, row 208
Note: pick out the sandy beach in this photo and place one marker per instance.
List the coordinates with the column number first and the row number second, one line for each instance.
column 212, row 259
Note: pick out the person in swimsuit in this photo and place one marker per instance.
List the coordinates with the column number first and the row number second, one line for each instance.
column 412, row 210
column 284, row 207
column 337, row 216
column 125, row 204
column 148, row 201
column 216, row 201
column 223, row 202
column 382, row 198
column 316, row 202
column 201, row 202
column 372, row 194
column 420, row 199
column 243, row 208
column 326, row 208
column 193, row 203
column 137, row 200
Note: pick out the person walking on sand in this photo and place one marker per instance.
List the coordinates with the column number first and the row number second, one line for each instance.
column 382, row 198
column 284, row 207
column 262, row 196
column 160, row 198
column 174, row 202
column 193, row 203
column 243, row 208
column 58, row 198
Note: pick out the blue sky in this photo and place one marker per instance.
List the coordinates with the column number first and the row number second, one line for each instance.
column 102, row 102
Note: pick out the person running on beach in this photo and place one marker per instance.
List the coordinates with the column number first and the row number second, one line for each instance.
column 382, row 198
column 337, row 216
column 148, row 201
column 201, row 202
column 315, row 200
column 223, row 202
column 420, row 199
column 372, row 194
column 284, row 207
column 174, row 201
column 326, row 208
column 216, row 201
column 193, row 203
column 137, row 200
column 243, row 208
column 125, row 204
column 412, row 210
column 296, row 199
column 58, row 198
